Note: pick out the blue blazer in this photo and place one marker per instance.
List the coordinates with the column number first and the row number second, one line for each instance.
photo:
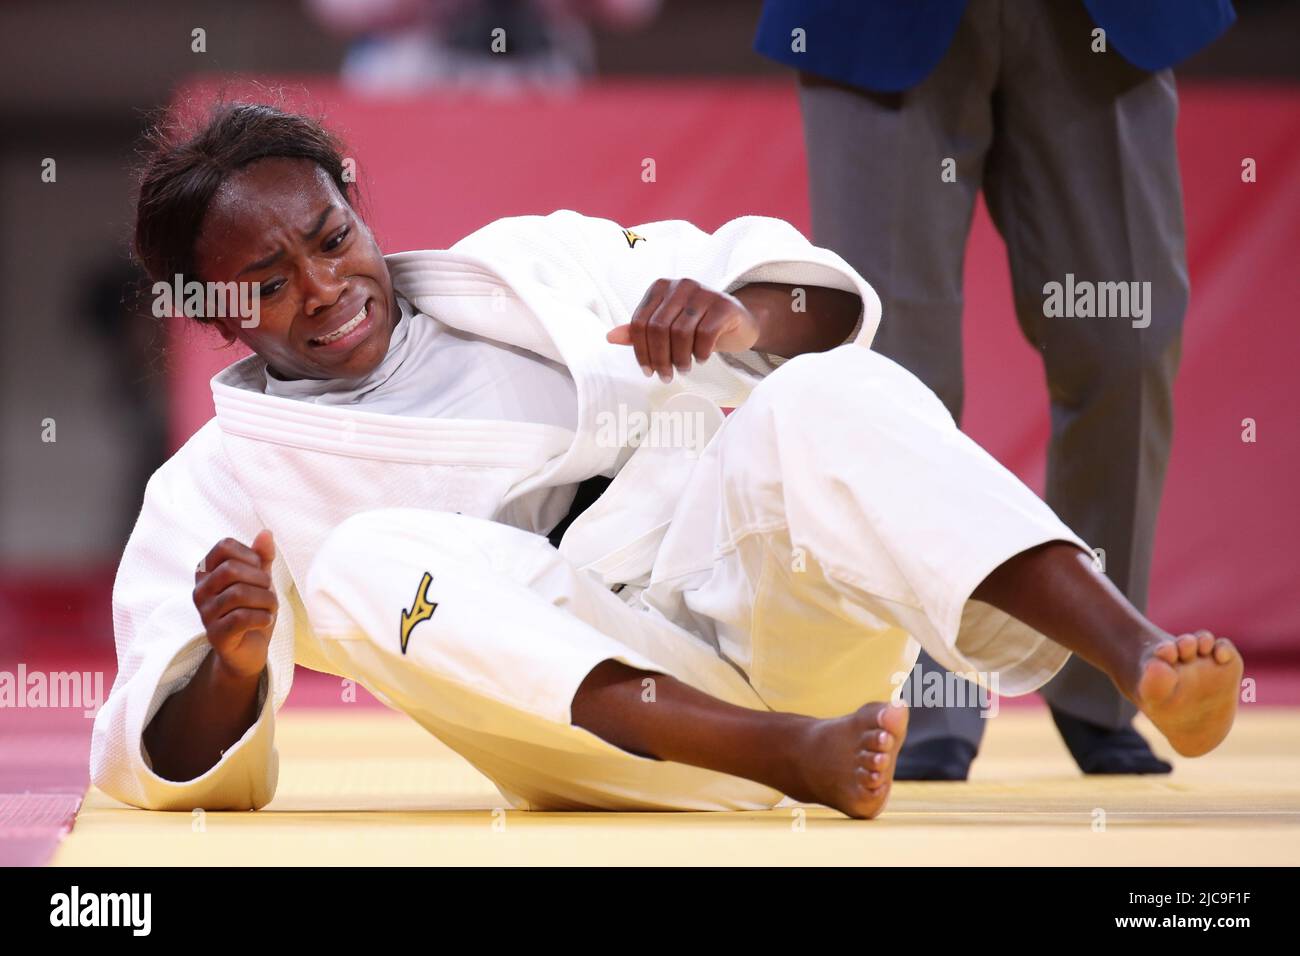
column 890, row 45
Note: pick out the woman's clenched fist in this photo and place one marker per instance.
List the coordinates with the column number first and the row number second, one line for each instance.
column 237, row 603
column 680, row 321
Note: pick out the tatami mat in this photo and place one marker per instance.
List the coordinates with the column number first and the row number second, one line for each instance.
column 370, row 787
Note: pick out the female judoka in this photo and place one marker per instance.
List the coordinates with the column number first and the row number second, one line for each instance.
column 382, row 490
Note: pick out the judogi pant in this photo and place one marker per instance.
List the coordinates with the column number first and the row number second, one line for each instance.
column 835, row 523
column 1076, row 155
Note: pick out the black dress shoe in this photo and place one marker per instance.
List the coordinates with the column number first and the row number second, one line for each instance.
column 1103, row 751
column 943, row 758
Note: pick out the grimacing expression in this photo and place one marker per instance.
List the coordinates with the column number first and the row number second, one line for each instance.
column 327, row 309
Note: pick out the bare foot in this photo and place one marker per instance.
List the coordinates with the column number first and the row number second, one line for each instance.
column 848, row 762
column 1188, row 687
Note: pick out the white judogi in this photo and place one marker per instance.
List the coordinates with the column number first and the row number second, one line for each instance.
column 434, row 371
column 833, row 522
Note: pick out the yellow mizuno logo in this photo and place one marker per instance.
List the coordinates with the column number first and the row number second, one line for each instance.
column 632, row 238
column 421, row 609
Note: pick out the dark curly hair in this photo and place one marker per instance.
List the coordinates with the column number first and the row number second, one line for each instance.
column 183, row 171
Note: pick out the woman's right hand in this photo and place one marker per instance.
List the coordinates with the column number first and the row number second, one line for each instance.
column 237, row 603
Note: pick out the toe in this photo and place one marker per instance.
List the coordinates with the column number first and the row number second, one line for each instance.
column 893, row 718
column 873, row 759
column 1159, row 680
column 1204, row 643
column 1186, row 647
column 1167, row 652
column 869, row 780
column 1224, row 652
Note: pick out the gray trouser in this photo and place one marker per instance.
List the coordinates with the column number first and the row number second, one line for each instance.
column 1075, row 152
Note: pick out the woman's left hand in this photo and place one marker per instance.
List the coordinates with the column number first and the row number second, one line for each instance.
column 679, row 319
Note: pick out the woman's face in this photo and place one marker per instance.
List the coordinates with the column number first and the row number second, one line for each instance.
column 282, row 223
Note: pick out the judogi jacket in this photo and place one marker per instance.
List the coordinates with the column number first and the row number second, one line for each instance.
column 551, row 284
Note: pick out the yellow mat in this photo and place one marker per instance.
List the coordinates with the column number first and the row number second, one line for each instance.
column 371, row 788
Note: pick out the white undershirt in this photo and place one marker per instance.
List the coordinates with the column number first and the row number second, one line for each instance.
column 434, row 371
